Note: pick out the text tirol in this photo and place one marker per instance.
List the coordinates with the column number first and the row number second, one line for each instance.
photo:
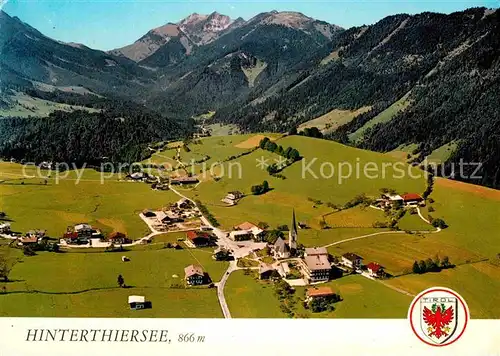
column 97, row 335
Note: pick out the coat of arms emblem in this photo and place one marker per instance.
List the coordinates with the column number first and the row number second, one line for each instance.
column 438, row 316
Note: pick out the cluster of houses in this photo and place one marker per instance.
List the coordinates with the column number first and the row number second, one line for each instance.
column 176, row 213
column 81, row 234
column 232, row 198
column 141, row 177
column 32, row 237
column 407, row 199
column 355, row 262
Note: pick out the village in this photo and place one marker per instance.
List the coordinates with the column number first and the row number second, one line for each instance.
column 247, row 247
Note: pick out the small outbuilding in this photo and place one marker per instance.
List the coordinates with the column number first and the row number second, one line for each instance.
column 137, row 302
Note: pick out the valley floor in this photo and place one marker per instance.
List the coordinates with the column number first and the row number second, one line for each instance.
column 83, row 283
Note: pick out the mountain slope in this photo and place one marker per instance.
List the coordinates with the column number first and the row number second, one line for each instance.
column 217, row 73
column 173, row 41
column 27, row 56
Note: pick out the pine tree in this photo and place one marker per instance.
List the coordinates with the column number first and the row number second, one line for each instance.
column 416, row 267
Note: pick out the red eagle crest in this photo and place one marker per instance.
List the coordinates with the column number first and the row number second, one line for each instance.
column 438, row 320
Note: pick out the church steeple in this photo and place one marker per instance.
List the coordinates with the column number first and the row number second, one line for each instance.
column 292, row 235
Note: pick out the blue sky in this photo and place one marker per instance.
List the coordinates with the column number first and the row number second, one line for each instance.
column 107, row 24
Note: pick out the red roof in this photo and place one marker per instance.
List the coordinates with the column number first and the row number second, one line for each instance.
column 116, row 235
column 71, row 235
column 320, row 292
column 411, row 196
column 191, row 235
column 374, row 266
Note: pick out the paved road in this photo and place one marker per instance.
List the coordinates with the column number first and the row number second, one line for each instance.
column 220, row 289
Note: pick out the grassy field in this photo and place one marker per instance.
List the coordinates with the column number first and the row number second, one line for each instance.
column 223, row 130
column 384, row 116
column 333, row 119
column 84, row 284
column 397, row 252
column 477, row 283
column 216, row 147
column 24, row 105
column 363, row 298
column 241, row 293
column 442, row 153
column 299, row 187
column 471, row 241
column 403, row 151
column 411, row 222
column 112, row 206
column 354, row 217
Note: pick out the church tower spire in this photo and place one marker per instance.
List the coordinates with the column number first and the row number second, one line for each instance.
column 292, row 234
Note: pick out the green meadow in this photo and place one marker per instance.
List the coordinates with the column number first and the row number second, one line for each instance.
column 85, row 284
column 471, row 241
column 113, row 205
column 304, row 182
column 362, row 298
column 251, row 298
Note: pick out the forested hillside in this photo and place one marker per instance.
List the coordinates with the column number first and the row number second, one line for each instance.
column 428, row 80
column 119, row 134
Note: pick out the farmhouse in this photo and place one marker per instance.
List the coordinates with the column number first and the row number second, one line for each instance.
column 392, row 198
column 4, row 228
column 222, row 254
column 118, row 238
column 194, row 275
column 240, row 235
column 232, row 197
column 81, row 233
column 351, row 260
column 138, row 176
column 412, row 199
column 322, row 292
column 26, row 241
column 317, row 268
column 375, row 270
column 184, row 180
column 265, row 271
column 168, row 217
column 184, row 204
column 198, row 238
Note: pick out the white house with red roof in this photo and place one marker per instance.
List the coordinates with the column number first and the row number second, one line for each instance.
column 412, row 198
column 375, row 270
